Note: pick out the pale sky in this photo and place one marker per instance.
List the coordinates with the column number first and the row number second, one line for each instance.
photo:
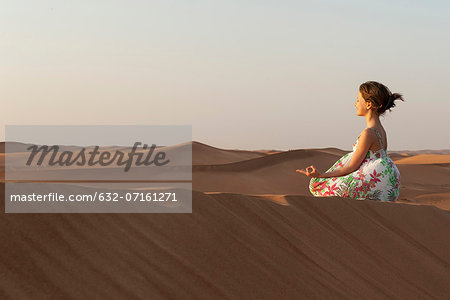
column 245, row 74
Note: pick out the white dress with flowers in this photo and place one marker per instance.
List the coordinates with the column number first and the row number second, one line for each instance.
column 377, row 178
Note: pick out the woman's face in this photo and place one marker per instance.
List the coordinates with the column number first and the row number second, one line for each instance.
column 362, row 107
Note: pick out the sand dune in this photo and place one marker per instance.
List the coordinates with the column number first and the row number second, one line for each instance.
column 254, row 233
column 396, row 156
column 437, row 199
column 424, row 159
column 426, row 151
column 333, row 151
column 275, row 174
column 232, row 246
column 255, row 172
column 203, row 154
column 265, row 161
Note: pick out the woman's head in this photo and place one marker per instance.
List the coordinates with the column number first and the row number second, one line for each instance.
column 377, row 97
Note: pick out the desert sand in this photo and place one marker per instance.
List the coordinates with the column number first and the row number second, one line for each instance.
column 255, row 232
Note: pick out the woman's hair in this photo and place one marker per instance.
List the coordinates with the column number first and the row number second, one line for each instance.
column 379, row 95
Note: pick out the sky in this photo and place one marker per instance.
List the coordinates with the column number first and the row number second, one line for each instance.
column 244, row 74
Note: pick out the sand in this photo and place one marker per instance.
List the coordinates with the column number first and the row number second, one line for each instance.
column 424, row 159
column 254, row 233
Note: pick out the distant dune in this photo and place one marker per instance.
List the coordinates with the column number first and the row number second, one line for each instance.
column 203, row 154
column 275, row 174
column 423, row 159
column 427, row 151
column 273, row 171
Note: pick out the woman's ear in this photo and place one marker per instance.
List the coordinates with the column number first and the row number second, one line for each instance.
column 369, row 105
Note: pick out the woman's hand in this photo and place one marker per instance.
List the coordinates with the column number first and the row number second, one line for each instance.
column 309, row 171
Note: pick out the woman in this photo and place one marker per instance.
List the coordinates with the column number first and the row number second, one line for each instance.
column 367, row 172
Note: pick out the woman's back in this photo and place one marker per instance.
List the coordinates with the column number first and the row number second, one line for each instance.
column 376, row 146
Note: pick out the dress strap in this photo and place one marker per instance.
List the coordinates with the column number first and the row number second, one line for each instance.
column 379, row 137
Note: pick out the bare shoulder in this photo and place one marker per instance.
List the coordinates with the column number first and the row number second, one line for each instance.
column 368, row 134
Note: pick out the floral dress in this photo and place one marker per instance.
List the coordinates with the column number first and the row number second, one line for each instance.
column 377, row 178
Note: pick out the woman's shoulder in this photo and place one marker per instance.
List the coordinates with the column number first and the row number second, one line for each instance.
column 369, row 133
column 368, row 136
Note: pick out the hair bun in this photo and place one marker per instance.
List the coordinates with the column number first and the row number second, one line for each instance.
column 389, row 103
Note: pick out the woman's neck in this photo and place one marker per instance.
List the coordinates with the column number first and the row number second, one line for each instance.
column 372, row 120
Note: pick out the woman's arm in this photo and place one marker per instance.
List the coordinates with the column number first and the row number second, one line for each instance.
column 311, row 171
column 365, row 141
column 337, row 172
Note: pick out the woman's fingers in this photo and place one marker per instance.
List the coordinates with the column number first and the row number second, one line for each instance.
column 303, row 172
column 307, row 171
